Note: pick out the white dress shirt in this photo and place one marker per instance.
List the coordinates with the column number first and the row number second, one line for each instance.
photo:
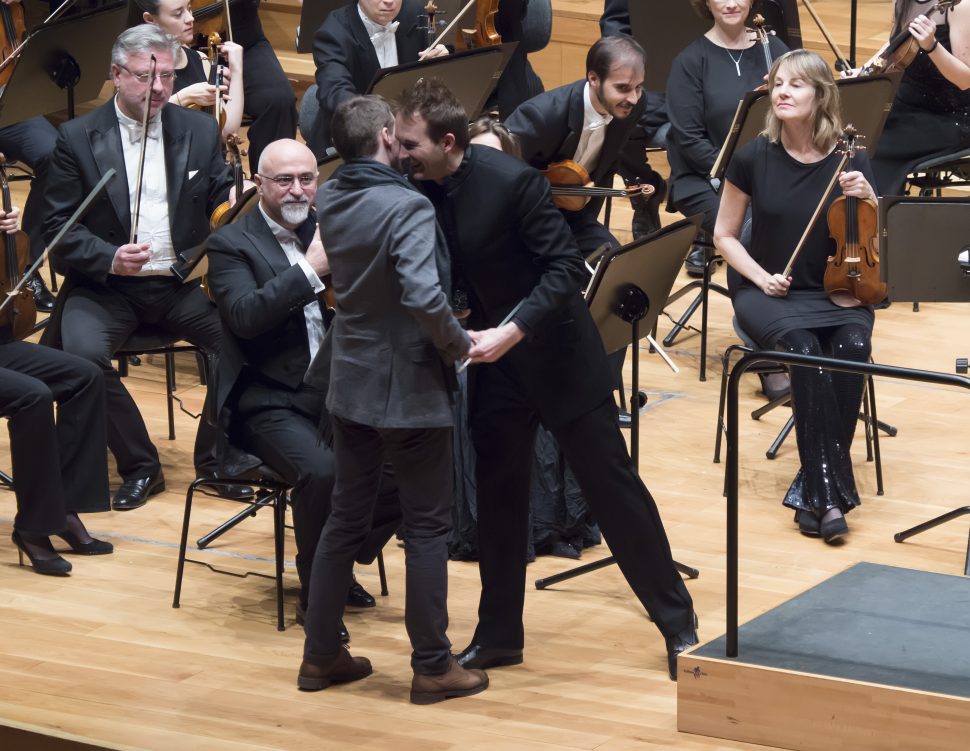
column 594, row 132
column 153, row 220
column 294, row 254
column 383, row 39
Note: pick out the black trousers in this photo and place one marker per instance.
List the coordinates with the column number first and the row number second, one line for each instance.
column 96, row 321
column 285, row 437
column 31, row 142
column 59, row 466
column 503, row 431
column 269, row 99
column 422, row 461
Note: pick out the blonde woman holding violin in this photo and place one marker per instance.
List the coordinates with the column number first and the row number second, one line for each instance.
column 782, row 175
column 931, row 114
column 192, row 87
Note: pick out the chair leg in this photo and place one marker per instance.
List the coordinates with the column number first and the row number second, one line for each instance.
column 381, row 572
column 279, row 529
column 875, row 436
column 772, row 451
column 721, row 427
column 170, row 392
column 182, row 545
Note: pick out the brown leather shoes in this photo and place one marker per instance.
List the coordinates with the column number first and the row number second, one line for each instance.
column 429, row 689
column 316, row 673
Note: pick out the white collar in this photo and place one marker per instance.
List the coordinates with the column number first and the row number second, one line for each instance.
column 592, row 120
column 372, row 27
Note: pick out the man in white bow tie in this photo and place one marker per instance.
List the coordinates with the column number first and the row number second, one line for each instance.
column 114, row 284
column 354, row 43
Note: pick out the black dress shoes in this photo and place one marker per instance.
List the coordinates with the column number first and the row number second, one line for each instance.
column 807, row 523
column 695, row 262
column 624, row 418
column 229, row 492
column 477, row 657
column 341, row 628
column 358, row 597
column 135, row 493
column 680, row 643
column 43, row 299
column 91, row 547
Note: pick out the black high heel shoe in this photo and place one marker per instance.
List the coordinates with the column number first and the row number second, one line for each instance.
column 55, row 566
column 72, row 536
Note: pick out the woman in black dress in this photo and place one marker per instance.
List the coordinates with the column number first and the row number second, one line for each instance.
column 931, row 114
column 782, row 175
column 192, row 87
column 706, row 82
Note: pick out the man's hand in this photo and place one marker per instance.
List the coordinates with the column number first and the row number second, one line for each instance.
column 9, row 221
column 130, row 258
column 491, row 344
column 316, row 255
column 439, row 50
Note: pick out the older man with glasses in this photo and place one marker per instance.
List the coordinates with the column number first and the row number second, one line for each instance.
column 116, row 283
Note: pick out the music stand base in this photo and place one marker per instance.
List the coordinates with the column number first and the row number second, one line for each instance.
column 688, row 571
column 942, row 519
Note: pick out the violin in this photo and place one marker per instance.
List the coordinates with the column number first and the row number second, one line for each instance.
column 14, row 30
column 234, row 155
column 852, row 274
column 761, row 32
column 483, row 34
column 212, row 18
column 897, row 54
column 215, row 78
column 572, row 188
column 19, row 315
column 428, row 22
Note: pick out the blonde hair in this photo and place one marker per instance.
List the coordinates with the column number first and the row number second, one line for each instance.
column 810, row 67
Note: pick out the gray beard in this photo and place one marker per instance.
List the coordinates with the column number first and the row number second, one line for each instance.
column 295, row 213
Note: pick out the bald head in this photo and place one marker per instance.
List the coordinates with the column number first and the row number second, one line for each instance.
column 287, row 161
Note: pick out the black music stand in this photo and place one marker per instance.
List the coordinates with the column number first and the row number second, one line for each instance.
column 470, row 75
column 934, row 274
column 312, row 15
column 67, row 57
column 629, row 289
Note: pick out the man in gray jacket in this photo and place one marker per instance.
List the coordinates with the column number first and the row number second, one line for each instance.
column 394, row 343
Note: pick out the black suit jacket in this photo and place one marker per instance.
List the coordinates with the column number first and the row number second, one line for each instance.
column 260, row 298
column 508, row 242
column 550, row 125
column 347, row 63
column 616, row 18
column 198, row 181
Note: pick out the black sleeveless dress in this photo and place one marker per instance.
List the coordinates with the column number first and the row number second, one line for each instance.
column 192, row 73
column 930, row 118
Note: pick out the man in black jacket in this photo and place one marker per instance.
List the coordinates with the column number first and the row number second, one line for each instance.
column 546, row 364
column 592, row 121
column 265, row 274
column 353, row 44
column 114, row 285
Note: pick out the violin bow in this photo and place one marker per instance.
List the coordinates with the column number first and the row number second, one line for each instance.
column 141, row 154
column 228, row 20
column 75, row 217
column 818, row 212
column 450, row 26
column 841, row 61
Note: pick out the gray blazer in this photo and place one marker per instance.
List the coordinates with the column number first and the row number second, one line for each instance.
column 394, row 333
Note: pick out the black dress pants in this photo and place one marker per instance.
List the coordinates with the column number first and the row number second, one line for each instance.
column 59, row 466
column 503, row 431
column 269, row 99
column 422, row 461
column 97, row 320
column 285, row 437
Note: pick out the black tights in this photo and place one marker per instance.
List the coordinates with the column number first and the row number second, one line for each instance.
column 826, row 407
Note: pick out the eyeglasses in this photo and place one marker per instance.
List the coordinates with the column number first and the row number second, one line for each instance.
column 165, row 76
column 285, row 181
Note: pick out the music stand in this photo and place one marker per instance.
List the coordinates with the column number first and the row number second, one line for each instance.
column 935, row 274
column 629, row 289
column 470, row 75
column 72, row 55
column 312, row 15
